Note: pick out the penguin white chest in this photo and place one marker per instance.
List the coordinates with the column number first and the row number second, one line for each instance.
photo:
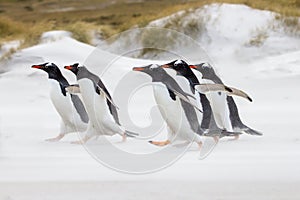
column 88, row 94
column 96, row 105
column 218, row 102
column 62, row 103
column 172, row 112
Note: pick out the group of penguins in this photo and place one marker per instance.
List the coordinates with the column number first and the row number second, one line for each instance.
column 192, row 100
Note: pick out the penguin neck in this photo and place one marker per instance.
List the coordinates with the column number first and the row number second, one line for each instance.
column 211, row 75
column 62, row 81
column 159, row 76
column 193, row 80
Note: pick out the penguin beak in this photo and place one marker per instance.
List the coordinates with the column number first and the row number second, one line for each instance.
column 36, row 66
column 165, row 66
column 138, row 69
column 68, row 67
column 193, row 66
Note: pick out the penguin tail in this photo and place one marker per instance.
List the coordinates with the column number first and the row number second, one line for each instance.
column 221, row 133
column 131, row 134
column 229, row 133
column 251, row 131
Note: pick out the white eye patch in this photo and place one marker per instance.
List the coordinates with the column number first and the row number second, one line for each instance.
column 206, row 65
column 154, row 66
column 178, row 62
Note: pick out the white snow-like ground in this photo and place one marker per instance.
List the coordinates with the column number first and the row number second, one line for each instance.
column 264, row 167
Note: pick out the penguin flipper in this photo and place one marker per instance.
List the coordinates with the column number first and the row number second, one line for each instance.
column 189, row 95
column 73, row 89
column 240, row 93
column 131, row 134
column 108, row 97
column 211, row 87
column 230, row 91
column 184, row 98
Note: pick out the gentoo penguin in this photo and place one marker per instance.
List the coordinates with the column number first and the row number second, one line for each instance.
column 100, row 107
column 176, row 109
column 209, row 75
column 70, row 108
column 208, row 121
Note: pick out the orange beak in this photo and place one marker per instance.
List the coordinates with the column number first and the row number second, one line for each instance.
column 193, row 66
column 36, row 66
column 138, row 69
column 68, row 67
column 165, row 66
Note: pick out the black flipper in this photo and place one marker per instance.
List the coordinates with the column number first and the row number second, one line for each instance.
column 112, row 108
column 131, row 134
column 207, row 111
column 80, row 108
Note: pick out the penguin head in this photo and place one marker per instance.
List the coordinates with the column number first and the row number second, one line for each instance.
column 52, row 70
column 205, row 69
column 180, row 66
column 73, row 68
column 152, row 70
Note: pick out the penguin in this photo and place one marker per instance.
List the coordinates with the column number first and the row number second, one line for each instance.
column 174, row 105
column 208, row 121
column 73, row 115
column 209, row 75
column 99, row 104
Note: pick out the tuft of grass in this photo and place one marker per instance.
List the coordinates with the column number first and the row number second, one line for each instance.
column 291, row 24
column 258, row 39
column 80, row 30
column 7, row 55
column 10, row 29
column 191, row 27
column 32, row 35
column 152, row 38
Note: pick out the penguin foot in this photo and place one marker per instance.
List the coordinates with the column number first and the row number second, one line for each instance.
column 59, row 137
column 236, row 137
column 83, row 141
column 124, row 138
column 163, row 143
column 200, row 145
column 216, row 139
column 77, row 142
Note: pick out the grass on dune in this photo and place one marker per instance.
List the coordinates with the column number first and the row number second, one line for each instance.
column 28, row 19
